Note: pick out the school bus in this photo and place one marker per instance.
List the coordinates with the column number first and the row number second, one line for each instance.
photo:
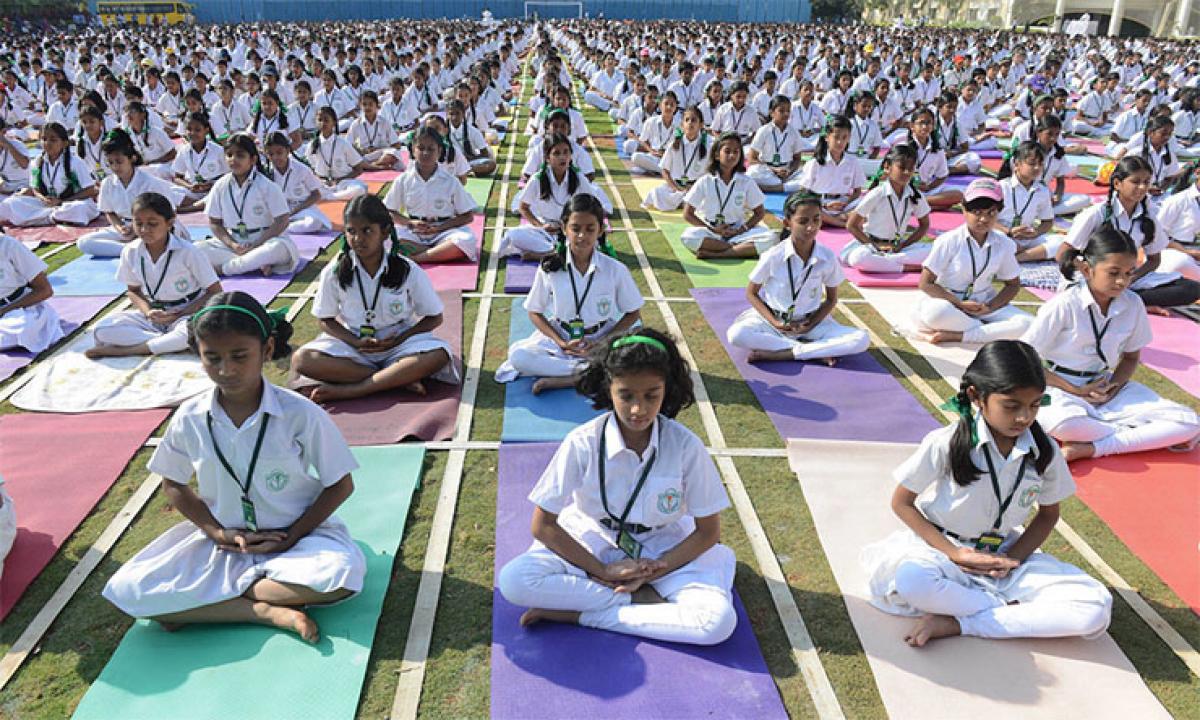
column 145, row 13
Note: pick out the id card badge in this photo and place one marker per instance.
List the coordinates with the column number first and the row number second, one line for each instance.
column 156, row 305
column 197, row 179
column 248, row 514
column 989, row 542
column 775, row 159
column 242, row 231
column 575, row 329
column 787, row 314
column 366, row 331
column 683, row 181
column 719, row 220
column 629, row 544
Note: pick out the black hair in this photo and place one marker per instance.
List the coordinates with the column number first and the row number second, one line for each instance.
column 1158, row 122
column 714, row 160
column 245, row 142
column 81, row 142
column 1126, row 167
column 795, row 201
column 935, row 143
column 606, row 362
column 836, row 122
column 371, row 209
column 904, row 152
column 1049, row 121
column 118, row 141
column 315, row 145
column 1187, row 177
column 703, row 136
column 1026, row 150
column 1104, row 241
column 39, row 184
column 581, row 203
column 945, row 98
column 155, row 202
column 543, row 175
column 202, row 118
column 1001, row 366
column 446, row 154
column 232, row 321
column 282, row 112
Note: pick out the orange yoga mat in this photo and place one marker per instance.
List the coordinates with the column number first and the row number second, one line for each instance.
column 1151, row 501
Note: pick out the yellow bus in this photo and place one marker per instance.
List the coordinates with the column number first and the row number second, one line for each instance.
column 145, row 13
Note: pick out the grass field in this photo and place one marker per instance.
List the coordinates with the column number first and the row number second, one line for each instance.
column 457, row 677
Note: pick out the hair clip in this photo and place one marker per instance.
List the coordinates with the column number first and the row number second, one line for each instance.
column 638, row 340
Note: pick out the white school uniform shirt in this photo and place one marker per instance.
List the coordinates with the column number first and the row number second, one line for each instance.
column 1055, row 167
column 1091, row 107
column 834, row 102
column 690, row 160
column 54, row 174
column 305, row 117
column 209, row 163
column 262, row 126
column 335, row 99
column 1160, row 167
column 806, row 118
column 533, row 156
column 418, row 101
column 931, row 164
column 441, row 196
column 776, row 147
column 771, row 272
column 18, row 265
column 682, row 484
column 169, row 106
column 887, row 214
column 370, row 136
column 181, row 271
column 687, row 95
column 710, row 197
column 606, row 83
column 152, row 143
column 65, row 115
column 257, row 202
column 864, row 136
column 833, row 178
column 951, row 134
column 226, row 120
column 297, row 183
column 10, row 171
column 550, row 209
column 397, row 309
column 971, row 510
column 299, row 436
column 951, row 260
column 1087, row 221
column 1024, row 205
column 1129, row 123
column 971, row 117
column 1062, row 331
column 116, row 197
column 332, row 160
column 613, row 293
column 479, row 142
column 729, row 119
column 1179, row 215
column 656, row 133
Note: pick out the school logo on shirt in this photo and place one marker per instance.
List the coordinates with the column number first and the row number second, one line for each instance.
column 1030, row 495
column 396, row 307
column 439, row 204
column 258, row 209
column 181, row 284
column 277, row 480
column 669, row 501
column 604, row 306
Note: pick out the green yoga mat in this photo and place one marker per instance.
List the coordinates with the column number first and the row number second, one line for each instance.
column 479, row 189
column 724, row 272
column 240, row 671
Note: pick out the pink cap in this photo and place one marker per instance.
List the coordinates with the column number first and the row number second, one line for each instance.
column 645, row 51
column 984, row 188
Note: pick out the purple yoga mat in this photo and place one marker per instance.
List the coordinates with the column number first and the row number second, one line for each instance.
column 518, row 275
column 857, row 399
column 72, row 312
column 264, row 289
column 560, row 671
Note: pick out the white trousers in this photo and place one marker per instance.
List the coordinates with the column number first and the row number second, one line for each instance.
column 1007, row 323
column 1051, row 241
column 347, row 189
column 1110, row 439
column 770, row 182
column 663, row 199
column 537, row 356
column 8, row 527
column 1072, row 203
column 28, row 211
column 308, row 221
column 591, row 97
column 106, row 242
column 377, row 155
column 461, row 237
column 695, row 611
column 279, row 254
column 985, row 144
column 1052, row 599
column 1177, row 261
column 133, row 328
column 630, row 146
column 647, row 163
column 762, row 237
column 970, row 160
column 828, row 339
column 525, row 238
column 34, row 328
column 866, row 258
column 1136, row 419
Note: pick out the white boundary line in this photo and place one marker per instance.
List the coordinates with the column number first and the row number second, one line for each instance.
column 1168, row 634
column 803, row 651
column 420, row 630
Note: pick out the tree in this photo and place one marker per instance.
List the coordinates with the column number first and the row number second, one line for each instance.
column 831, row 10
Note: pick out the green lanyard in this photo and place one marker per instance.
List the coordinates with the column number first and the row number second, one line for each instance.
column 637, row 489
column 248, row 513
column 1004, row 502
column 153, row 292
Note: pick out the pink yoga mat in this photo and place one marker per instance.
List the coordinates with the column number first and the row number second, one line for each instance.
column 836, row 238
column 943, row 221
column 54, row 233
column 390, row 417
column 380, row 176
column 56, row 468
column 459, row 275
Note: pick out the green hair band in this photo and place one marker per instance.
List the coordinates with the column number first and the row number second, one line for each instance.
column 638, row 340
column 273, row 316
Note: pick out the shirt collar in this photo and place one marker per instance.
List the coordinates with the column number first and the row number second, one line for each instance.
column 615, row 443
column 1023, row 446
column 269, row 404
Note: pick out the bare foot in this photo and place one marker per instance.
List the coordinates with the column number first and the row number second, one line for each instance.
column 702, row 254
column 938, row 336
column 99, row 351
column 328, row 392
column 416, row 388
column 1077, row 450
column 533, row 616
column 541, row 385
column 169, row 626
column 646, row 595
column 1156, row 310
column 286, row 618
column 532, row 256
column 932, row 627
column 829, row 361
column 757, row 356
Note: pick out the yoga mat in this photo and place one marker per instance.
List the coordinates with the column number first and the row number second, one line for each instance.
column 518, row 275
column 560, row 671
column 899, row 308
column 773, row 203
column 264, row 288
column 1084, row 186
column 390, row 417
column 836, row 238
column 462, row 275
column 1161, row 526
column 56, row 468
column 193, row 219
column 538, row 418
column 72, row 313
column 856, row 399
column 723, row 272
column 848, row 488
column 379, row 176
column 54, row 233
column 220, row 671
column 87, row 276
column 479, row 189
column 941, row 221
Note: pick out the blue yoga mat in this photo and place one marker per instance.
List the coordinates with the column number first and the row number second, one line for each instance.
column 538, row 418
column 87, row 276
column 774, row 203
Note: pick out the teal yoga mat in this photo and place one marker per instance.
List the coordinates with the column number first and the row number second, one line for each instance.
column 87, row 276
column 538, row 418
column 238, row 671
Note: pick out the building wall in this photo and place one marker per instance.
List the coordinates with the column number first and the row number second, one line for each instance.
column 221, row 11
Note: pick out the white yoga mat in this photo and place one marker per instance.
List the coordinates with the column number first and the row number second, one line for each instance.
column 898, row 306
column 848, row 487
column 73, row 383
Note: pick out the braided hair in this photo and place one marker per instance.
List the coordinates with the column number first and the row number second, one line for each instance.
column 371, row 210
column 1129, row 165
column 543, row 175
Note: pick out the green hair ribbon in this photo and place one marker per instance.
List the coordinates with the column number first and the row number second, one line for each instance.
column 271, row 316
column 638, row 340
column 961, row 406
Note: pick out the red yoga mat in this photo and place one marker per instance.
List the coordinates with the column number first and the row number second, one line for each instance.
column 56, row 468
column 1151, row 500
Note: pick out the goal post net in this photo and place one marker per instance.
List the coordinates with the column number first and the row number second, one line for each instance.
column 553, row 9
